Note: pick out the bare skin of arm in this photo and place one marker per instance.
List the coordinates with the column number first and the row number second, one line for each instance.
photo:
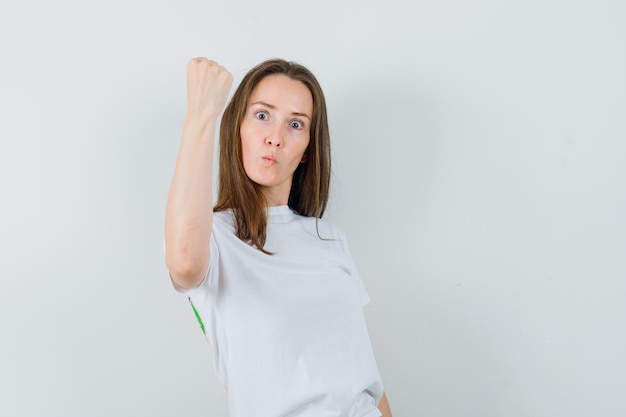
column 189, row 209
column 383, row 406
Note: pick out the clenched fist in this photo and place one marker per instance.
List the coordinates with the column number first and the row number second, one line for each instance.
column 208, row 85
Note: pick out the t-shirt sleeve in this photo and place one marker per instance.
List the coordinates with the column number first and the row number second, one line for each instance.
column 354, row 271
column 201, row 298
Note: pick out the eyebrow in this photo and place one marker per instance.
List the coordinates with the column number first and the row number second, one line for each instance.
column 295, row 113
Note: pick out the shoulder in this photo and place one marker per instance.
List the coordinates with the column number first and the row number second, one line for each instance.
column 223, row 215
column 323, row 228
column 224, row 218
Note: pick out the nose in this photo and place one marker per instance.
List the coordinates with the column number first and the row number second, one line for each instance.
column 274, row 136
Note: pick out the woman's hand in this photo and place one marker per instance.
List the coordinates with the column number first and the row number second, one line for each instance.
column 208, row 85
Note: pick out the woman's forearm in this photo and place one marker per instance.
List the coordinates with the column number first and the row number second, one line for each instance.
column 383, row 406
column 189, row 213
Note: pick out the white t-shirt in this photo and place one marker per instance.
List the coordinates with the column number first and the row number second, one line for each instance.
column 287, row 330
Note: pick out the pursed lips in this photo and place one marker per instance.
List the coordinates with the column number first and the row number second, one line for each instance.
column 270, row 159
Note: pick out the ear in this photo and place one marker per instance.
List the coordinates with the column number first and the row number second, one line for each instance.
column 305, row 158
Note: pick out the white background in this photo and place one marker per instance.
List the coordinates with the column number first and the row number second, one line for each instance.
column 479, row 173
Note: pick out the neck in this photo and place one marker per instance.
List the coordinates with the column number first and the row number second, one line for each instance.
column 275, row 197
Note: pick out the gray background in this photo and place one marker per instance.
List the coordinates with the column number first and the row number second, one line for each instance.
column 479, row 173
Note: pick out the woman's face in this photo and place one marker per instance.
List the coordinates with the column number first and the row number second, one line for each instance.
column 275, row 133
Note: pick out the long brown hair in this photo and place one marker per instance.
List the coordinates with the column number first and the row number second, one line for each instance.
column 311, row 180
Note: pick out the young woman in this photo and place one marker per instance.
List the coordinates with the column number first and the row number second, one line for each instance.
column 273, row 286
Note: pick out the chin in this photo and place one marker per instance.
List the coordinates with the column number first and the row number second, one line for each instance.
column 262, row 181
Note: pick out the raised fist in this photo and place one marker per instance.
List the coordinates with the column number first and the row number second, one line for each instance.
column 208, row 85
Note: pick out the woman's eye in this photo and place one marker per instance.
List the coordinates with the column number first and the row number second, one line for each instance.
column 296, row 124
column 261, row 115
